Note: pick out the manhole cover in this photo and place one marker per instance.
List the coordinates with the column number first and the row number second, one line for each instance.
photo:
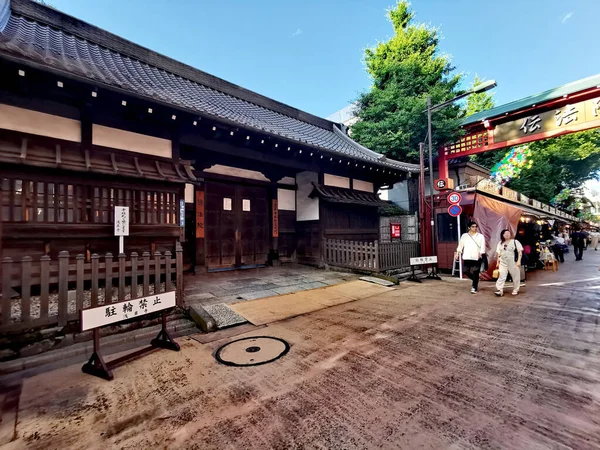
column 252, row 351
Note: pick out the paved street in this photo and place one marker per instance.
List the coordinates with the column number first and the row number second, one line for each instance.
column 422, row 366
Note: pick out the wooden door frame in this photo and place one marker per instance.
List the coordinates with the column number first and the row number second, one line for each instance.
column 238, row 185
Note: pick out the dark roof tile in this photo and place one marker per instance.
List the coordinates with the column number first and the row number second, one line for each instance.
column 49, row 46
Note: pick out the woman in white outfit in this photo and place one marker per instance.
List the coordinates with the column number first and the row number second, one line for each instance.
column 507, row 249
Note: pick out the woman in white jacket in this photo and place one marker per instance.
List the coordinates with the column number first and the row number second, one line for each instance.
column 510, row 252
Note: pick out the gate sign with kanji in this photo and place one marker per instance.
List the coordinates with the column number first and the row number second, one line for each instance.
column 454, row 198
column 395, row 230
column 454, row 210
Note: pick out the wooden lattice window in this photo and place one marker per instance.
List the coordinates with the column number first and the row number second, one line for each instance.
column 27, row 200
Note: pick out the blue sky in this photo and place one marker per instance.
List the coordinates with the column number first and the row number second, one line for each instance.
column 308, row 53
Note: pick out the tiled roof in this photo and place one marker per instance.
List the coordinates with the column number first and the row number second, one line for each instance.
column 349, row 196
column 55, row 48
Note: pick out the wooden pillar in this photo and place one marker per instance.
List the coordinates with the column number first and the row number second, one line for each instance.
column 199, row 224
column 274, row 227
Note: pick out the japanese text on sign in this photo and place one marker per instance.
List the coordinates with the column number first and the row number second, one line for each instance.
column 576, row 114
column 181, row 212
column 395, row 230
column 117, row 312
column 199, row 214
column 275, row 218
column 121, row 220
column 423, row 260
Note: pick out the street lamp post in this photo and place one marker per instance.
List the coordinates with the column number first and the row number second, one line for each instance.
column 482, row 87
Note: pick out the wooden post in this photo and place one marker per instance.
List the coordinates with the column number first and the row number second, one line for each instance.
column 6, row 288
column 168, row 272
column 80, row 259
column 44, row 285
column 26, row 288
column 134, row 275
column 63, row 288
column 156, row 273
column 146, row 286
column 377, row 263
column 108, row 286
column 179, row 272
column 122, row 261
column 95, row 269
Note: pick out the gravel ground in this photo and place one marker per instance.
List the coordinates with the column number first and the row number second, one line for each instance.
column 87, row 301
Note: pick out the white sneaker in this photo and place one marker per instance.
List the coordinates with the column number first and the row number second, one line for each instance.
column 515, row 293
column 473, row 291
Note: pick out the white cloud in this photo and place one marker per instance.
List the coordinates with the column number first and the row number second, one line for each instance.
column 298, row 32
column 567, row 16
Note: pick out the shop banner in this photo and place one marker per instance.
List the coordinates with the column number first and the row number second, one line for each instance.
column 493, row 216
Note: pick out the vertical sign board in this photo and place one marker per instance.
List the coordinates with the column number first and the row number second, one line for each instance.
column 199, row 214
column 121, row 225
column 395, row 230
column 121, row 220
column 182, row 219
column 275, row 218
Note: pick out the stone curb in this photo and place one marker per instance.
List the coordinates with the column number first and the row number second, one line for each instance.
column 203, row 319
column 142, row 336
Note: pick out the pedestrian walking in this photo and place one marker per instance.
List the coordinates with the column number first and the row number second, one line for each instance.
column 594, row 243
column 578, row 241
column 557, row 247
column 510, row 253
column 472, row 248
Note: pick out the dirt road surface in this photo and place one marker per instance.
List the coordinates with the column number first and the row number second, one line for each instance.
column 423, row 366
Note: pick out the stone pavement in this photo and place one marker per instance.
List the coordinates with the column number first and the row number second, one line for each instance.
column 420, row 366
column 251, row 284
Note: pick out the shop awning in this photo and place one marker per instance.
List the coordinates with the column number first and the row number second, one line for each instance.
column 52, row 153
column 348, row 196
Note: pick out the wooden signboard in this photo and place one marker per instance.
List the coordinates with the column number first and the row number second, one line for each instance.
column 584, row 115
column 199, row 214
column 275, row 218
column 94, row 318
column 117, row 312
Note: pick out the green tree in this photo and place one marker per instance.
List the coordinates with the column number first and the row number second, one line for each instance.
column 477, row 103
column 564, row 162
column 405, row 70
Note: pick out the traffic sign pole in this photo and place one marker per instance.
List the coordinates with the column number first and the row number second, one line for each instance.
column 459, row 255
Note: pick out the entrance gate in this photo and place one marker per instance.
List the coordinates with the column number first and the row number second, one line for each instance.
column 237, row 226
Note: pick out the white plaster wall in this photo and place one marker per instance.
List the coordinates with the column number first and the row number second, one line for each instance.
column 189, row 193
column 365, row 186
column 235, row 172
column 288, row 180
column 133, row 142
column 286, row 200
column 334, row 180
column 41, row 124
column 306, row 208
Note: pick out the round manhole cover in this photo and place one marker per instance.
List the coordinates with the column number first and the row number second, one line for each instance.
column 252, row 351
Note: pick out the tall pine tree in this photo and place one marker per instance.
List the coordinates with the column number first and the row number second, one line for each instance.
column 404, row 70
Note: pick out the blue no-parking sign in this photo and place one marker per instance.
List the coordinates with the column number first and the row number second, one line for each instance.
column 454, row 210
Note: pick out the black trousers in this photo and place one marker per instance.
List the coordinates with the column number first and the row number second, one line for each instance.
column 559, row 253
column 578, row 253
column 472, row 271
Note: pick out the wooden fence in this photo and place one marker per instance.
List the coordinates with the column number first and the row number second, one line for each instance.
column 369, row 256
column 54, row 292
